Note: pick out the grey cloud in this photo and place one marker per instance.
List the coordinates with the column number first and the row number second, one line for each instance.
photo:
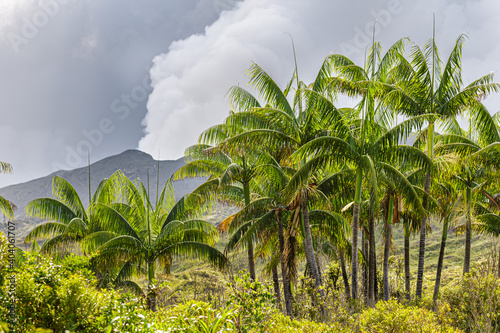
column 60, row 77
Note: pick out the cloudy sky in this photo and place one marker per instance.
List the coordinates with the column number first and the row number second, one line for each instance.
column 109, row 75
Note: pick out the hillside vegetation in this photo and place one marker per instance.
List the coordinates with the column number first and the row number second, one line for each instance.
column 309, row 216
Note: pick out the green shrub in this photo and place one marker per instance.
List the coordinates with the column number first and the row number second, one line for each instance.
column 63, row 297
column 279, row 323
column 194, row 317
column 253, row 302
column 50, row 296
column 474, row 305
column 394, row 317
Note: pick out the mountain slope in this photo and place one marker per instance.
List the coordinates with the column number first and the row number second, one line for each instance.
column 133, row 163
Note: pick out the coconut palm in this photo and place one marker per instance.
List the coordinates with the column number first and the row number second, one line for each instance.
column 137, row 233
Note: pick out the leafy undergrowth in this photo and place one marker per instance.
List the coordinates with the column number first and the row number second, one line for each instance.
column 63, row 298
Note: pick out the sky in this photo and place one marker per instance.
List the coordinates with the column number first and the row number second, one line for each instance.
column 80, row 76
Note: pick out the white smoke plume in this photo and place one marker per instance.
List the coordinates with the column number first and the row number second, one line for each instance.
column 191, row 80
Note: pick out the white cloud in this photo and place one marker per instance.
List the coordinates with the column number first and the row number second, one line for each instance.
column 190, row 80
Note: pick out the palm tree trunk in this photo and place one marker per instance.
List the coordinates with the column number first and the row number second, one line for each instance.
column 276, row 284
column 344, row 274
column 407, row 259
column 151, row 299
column 251, row 263
column 284, row 271
column 468, row 232
column 355, row 227
column 423, row 227
column 364, row 242
column 423, row 224
column 388, row 232
column 444, row 237
column 375, row 282
column 372, row 273
column 308, row 246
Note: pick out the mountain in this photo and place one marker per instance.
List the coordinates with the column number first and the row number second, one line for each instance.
column 133, row 163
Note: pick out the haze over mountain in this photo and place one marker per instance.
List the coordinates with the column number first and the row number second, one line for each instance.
column 133, row 163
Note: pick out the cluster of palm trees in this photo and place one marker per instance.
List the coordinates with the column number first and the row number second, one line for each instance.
column 310, row 177
column 303, row 170
column 124, row 230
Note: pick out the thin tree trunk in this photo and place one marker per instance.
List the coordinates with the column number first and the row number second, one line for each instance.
column 423, row 224
column 372, row 280
column 364, row 242
column 151, row 298
column 388, row 234
column 284, row 271
column 444, row 237
column 276, row 284
column 251, row 262
column 354, row 265
column 375, row 282
column 423, row 227
column 407, row 259
column 309, row 248
column 468, row 232
column 498, row 268
column 355, row 227
column 344, row 274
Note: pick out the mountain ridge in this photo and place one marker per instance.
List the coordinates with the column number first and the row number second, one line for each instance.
column 134, row 164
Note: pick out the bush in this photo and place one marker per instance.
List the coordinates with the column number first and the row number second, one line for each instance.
column 280, row 323
column 195, row 316
column 64, row 297
column 392, row 316
column 253, row 302
column 474, row 305
column 49, row 296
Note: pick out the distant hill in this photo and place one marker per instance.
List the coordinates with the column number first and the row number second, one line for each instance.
column 133, row 163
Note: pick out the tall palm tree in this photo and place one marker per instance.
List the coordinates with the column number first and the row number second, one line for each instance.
column 479, row 141
column 447, row 202
column 281, row 128
column 427, row 87
column 367, row 147
column 371, row 83
column 136, row 232
column 6, row 207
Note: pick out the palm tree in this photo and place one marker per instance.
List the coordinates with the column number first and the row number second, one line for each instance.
column 136, row 232
column 447, row 204
column 367, row 155
column 69, row 221
column 281, row 128
column 490, row 223
column 424, row 87
column 231, row 175
column 479, row 141
column 6, row 207
column 371, row 83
